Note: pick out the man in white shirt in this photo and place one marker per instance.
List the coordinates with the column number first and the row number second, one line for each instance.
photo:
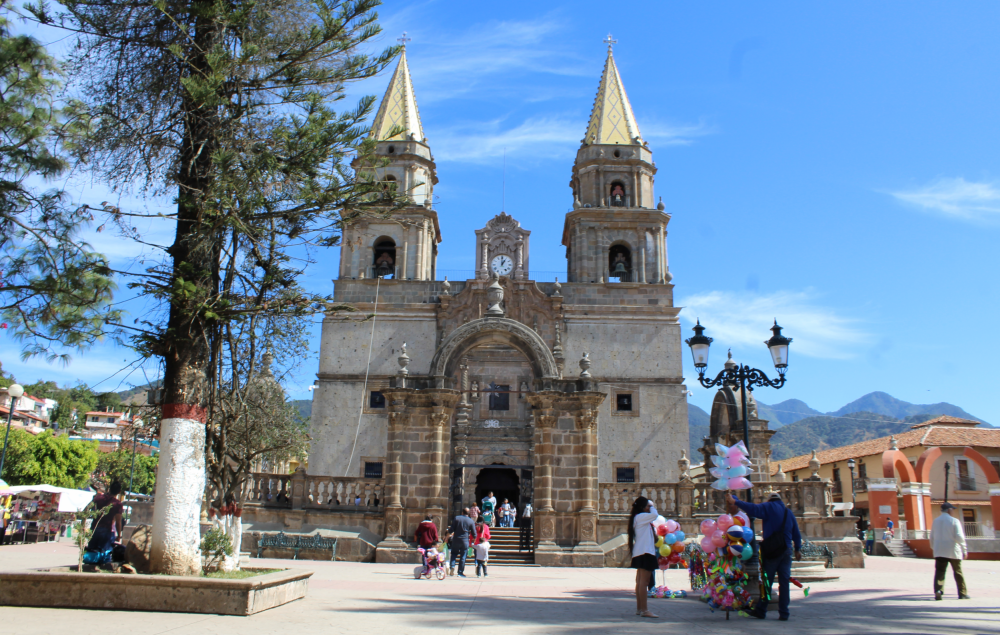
column 948, row 542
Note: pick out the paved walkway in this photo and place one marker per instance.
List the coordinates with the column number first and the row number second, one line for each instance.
column 890, row 596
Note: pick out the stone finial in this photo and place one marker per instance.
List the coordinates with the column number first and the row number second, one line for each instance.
column 684, row 464
column 730, row 364
column 494, row 294
column 814, row 466
column 780, row 474
column 893, row 444
column 265, row 362
column 667, row 276
column 660, row 206
column 404, row 360
column 557, row 288
column 446, row 287
column 585, row 366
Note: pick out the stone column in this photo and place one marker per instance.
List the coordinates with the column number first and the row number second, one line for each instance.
column 642, row 255
column 393, row 486
column 661, row 265
column 519, row 271
column 299, row 494
column 418, row 269
column 485, row 267
column 439, row 419
column 586, row 422
column 406, row 250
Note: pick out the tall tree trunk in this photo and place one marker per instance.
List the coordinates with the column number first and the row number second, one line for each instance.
column 186, row 347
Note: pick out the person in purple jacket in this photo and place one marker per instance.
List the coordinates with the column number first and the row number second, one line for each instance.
column 776, row 518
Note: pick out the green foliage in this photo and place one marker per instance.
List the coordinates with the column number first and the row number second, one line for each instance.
column 117, row 466
column 43, row 389
column 53, row 288
column 824, row 432
column 215, row 545
column 110, row 400
column 49, row 459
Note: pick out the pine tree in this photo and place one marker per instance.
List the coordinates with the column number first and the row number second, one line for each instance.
column 227, row 106
column 54, row 290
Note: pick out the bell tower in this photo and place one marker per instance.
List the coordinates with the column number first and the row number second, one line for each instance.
column 616, row 232
column 403, row 247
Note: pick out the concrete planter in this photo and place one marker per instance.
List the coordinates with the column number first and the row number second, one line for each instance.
column 152, row 592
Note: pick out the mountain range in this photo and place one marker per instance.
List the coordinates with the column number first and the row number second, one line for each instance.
column 802, row 429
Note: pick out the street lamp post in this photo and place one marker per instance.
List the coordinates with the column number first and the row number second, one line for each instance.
column 741, row 375
column 850, row 466
column 15, row 391
column 947, row 469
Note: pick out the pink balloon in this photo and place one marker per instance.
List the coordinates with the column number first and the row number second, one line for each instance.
column 708, row 526
column 707, row 545
column 725, row 522
column 672, row 526
column 719, row 538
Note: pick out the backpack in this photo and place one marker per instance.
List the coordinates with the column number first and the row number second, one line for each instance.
column 774, row 546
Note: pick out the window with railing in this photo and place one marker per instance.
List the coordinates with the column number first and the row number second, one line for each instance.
column 625, row 475
column 373, row 469
column 966, row 484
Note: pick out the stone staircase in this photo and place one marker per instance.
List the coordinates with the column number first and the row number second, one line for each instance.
column 899, row 549
column 505, row 550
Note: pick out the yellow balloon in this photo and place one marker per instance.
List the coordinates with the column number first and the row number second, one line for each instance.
column 665, row 550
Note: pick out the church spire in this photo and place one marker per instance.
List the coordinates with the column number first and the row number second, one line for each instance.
column 399, row 106
column 612, row 120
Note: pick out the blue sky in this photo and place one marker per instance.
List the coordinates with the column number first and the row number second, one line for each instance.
column 833, row 166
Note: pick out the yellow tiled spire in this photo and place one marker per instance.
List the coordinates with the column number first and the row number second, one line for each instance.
column 399, row 107
column 612, row 120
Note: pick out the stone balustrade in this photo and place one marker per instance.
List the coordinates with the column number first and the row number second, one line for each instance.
column 300, row 490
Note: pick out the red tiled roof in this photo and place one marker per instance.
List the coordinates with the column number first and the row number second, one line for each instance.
column 106, row 414
column 945, row 420
column 21, row 413
column 923, row 437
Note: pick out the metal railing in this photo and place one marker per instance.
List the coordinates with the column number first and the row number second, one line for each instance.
column 838, row 488
column 975, row 530
column 860, row 485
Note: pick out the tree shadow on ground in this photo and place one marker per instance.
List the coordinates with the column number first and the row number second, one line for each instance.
column 603, row 611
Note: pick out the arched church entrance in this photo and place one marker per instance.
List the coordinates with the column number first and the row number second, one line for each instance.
column 502, row 481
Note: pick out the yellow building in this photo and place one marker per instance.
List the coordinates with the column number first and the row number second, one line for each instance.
column 968, row 486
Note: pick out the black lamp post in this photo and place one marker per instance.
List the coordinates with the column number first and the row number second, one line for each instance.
column 742, row 376
column 15, row 391
column 850, row 466
column 947, row 468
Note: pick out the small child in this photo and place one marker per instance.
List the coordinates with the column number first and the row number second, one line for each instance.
column 482, row 555
column 432, row 556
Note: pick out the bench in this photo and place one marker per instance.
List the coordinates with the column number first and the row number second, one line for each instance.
column 281, row 540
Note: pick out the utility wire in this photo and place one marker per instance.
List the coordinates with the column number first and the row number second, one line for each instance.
column 364, row 391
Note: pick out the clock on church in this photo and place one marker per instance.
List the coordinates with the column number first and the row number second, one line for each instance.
column 502, row 265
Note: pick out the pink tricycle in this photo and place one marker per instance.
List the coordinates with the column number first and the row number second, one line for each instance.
column 433, row 565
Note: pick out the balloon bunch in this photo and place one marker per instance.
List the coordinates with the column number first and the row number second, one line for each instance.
column 665, row 592
column 719, row 570
column 669, row 541
column 728, row 535
column 731, row 467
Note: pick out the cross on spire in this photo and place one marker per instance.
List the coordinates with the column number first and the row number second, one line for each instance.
column 403, row 40
column 609, row 41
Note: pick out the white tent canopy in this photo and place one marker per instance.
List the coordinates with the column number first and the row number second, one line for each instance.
column 70, row 500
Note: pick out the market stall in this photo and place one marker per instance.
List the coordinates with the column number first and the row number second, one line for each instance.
column 41, row 512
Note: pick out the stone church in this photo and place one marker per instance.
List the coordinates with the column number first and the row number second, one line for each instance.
column 538, row 391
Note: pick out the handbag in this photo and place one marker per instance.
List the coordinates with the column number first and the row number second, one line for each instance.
column 774, row 546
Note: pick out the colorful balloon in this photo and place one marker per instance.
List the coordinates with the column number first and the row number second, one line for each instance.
column 735, row 532
column 670, row 539
column 738, row 520
column 747, row 535
column 672, row 526
column 736, row 549
column 680, row 536
column 677, row 547
column 665, row 550
column 707, row 527
column 746, row 519
column 724, row 522
column 662, row 530
column 747, row 553
column 719, row 538
column 663, row 562
column 707, row 545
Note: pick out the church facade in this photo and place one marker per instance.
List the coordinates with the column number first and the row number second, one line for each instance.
column 537, row 391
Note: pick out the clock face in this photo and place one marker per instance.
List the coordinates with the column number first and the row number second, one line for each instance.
column 502, row 265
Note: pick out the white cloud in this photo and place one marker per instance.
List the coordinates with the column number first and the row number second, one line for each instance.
column 743, row 319
column 956, row 197
column 541, row 137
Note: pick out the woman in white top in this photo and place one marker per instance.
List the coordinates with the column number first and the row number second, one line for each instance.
column 642, row 543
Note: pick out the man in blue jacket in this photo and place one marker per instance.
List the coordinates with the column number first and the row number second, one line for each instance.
column 776, row 518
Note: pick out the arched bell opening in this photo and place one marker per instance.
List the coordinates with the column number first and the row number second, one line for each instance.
column 384, row 257
column 618, row 195
column 620, row 263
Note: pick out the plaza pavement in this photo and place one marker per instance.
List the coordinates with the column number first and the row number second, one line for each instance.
column 889, row 596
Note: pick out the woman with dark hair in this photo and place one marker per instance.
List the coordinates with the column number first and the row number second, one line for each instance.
column 642, row 544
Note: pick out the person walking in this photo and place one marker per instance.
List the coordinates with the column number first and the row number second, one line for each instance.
column 482, row 547
column 948, row 542
column 109, row 522
column 525, row 542
column 427, row 533
column 463, row 529
column 642, row 544
column 780, row 534
column 505, row 514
